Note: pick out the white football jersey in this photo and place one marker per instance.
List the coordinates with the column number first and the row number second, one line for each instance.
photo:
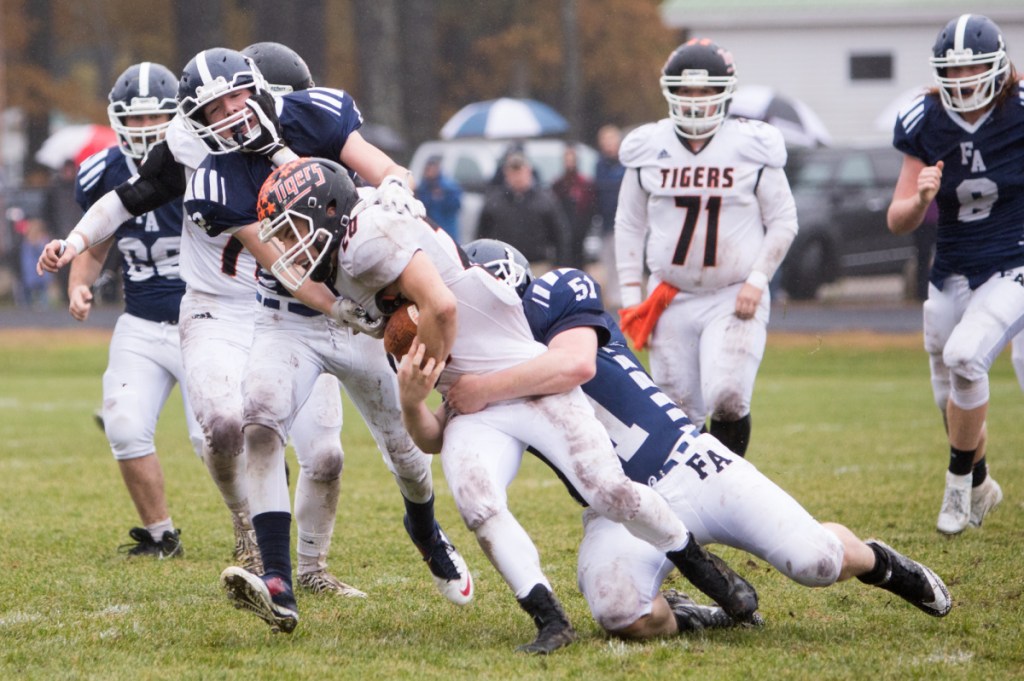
column 218, row 265
column 492, row 329
column 704, row 214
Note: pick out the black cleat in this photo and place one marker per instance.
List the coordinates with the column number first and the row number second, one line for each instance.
column 553, row 628
column 169, row 545
column 911, row 581
column 693, row 617
column 716, row 580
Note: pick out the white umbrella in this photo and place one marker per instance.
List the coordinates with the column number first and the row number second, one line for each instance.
column 505, row 118
column 799, row 124
column 74, row 143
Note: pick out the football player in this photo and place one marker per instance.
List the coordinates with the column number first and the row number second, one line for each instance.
column 222, row 198
column 707, row 198
column 723, row 498
column 470, row 323
column 963, row 146
column 145, row 353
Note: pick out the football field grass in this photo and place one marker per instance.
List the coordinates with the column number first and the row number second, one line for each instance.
column 845, row 423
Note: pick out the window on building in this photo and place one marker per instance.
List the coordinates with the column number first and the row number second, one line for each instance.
column 871, row 67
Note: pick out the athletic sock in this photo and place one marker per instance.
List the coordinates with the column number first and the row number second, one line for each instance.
column 273, row 535
column 979, row 472
column 421, row 519
column 875, row 575
column 961, row 460
column 156, row 530
column 733, row 434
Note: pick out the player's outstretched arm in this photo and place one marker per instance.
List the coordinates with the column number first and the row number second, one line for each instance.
column 99, row 222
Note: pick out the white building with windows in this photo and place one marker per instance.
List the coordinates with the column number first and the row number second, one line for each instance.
column 852, row 61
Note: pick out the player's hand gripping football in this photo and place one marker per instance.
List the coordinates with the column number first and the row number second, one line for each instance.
column 394, row 194
column 347, row 313
column 417, row 378
column 263, row 133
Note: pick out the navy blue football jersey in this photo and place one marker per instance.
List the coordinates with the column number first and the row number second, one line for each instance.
column 223, row 192
column 150, row 243
column 981, row 198
column 643, row 422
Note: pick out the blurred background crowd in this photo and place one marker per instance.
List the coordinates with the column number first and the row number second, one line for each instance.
column 509, row 114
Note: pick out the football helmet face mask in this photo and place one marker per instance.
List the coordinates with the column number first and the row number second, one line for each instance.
column 210, row 75
column 698, row 63
column 303, row 208
column 503, row 261
column 283, row 69
column 970, row 40
column 144, row 89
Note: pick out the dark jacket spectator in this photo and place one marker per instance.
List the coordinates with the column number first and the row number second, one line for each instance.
column 525, row 215
column 576, row 195
column 608, row 175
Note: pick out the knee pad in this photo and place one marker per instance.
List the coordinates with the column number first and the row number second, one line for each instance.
column 969, row 394
column 223, row 432
column 324, row 464
column 816, row 561
column 128, row 437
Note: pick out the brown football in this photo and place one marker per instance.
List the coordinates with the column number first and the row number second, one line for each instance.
column 401, row 329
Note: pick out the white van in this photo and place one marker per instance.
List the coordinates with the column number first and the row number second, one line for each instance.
column 473, row 163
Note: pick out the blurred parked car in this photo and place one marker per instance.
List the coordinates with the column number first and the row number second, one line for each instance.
column 842, row 195
column 473, row 163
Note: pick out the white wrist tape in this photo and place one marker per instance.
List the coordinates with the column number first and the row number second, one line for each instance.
column 75, row 239
column 102, row 219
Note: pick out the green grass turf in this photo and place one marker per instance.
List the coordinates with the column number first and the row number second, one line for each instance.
column 847, row 425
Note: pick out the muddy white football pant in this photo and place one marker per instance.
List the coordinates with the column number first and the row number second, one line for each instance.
column 290, row 354
column 481, row 455
column 722, row 499
column 143, row 366
column 965, row 330
column 706, row 358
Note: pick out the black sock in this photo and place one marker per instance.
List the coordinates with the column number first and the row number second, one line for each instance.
column 875, row 575
column 979, row 472
column 421, row 519
column 733, row 434
column 273, row 534
column 961, row 460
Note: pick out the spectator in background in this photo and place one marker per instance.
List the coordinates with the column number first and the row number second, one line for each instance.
column 441, row 196
column 525, row 214
column 607, row 178
column 576, row 195
column 35, row 287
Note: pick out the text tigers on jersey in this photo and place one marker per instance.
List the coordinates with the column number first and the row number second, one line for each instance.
column 697, row 176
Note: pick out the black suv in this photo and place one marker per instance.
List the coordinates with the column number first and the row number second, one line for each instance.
column 842, row 195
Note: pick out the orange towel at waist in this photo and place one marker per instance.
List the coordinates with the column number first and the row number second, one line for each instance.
column 638, row 321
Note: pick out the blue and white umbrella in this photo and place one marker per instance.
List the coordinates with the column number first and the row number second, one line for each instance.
column 505, row 118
